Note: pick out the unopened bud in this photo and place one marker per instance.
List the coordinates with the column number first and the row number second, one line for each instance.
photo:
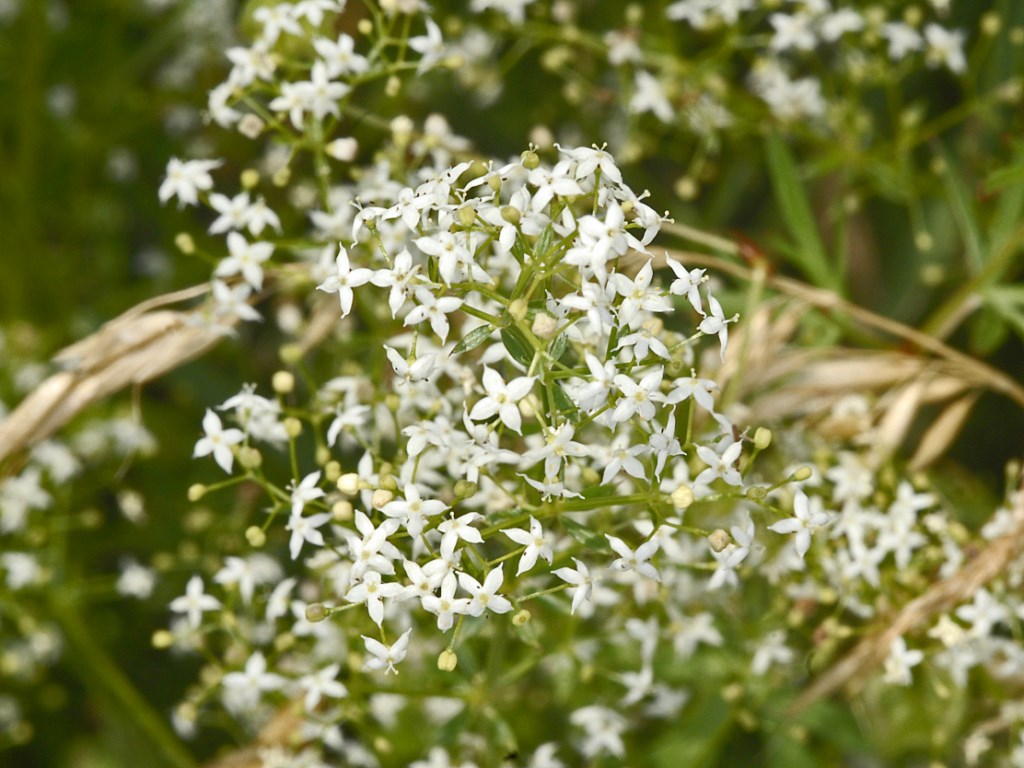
column 290, row 354
column 682, row 497
column 544, row 326
column 511, row 214
column 464, row 489
column 365, row 27
column 447, row 661
column 196, row 492
column 719, row 540
column 293, row 427
column 255, row 536
column 249, row 457
column 332, row 471
column 521, row 618
column 349, row 483
column 323, row 455
column 283, row 382
column 281, row 177
column 316, row 612
column 162, row 639
column 184, row 243
column 394, row 86
column 762, row 438
column 342, row 511
column 343, row 149
column 803, row 473
column 380, row 498
column 250, row 177
column 518, row 309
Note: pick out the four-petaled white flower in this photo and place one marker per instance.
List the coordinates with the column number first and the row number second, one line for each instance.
column 386, row 656
column 807, row 517
column 638, row 397
column 244, row 688
column 580, row 578
column 218, row 441
column 344, row 279
column 502, row 399
column 320, row 684
column 445, row 606
column 629, row 560
column 372, row 591
column 413, row 510
column 194, row 602
column 716, row 323
column 536, row 543
column 305, row 492
column 246, row 258
column 433, row 309
column 485, row 596
column 185, row 180
column 304, row 529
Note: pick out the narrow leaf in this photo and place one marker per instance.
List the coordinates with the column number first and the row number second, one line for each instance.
column 473, row 339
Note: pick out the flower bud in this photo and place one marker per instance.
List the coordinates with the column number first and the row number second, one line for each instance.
column 682, row 497
column 283, row 382
column 393, row 87
column 465, row 489
column 349, row 483
column 250, row 126
column 365, row 27
column 255, row 536
column 342, row 511
column 323, row 455
column 290, row 354
column 380, row 498
column 196, row 492
column 249, row 457
column 544, row 326
column 162, row 639
column 293, row 427
column 719, row 539
column 184, row 243
column 343, row 149
column 762, row 438
column 332, row 471
column 521, row 618
column 447, row 661
column 250, row 177
column 281, row 177
column 511, row 214
column 518, row 309
column 803, row 473
column 316, row 612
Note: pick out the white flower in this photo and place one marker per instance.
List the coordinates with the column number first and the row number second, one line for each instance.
column 629, row 560
column 429, row 46
column 194, row 602
column 386, row 656
column 135, row 580
column 186, row 179
column 716, row 322
column 304, row 529
column 246, row 258
column 305, row 492
column 808, row 516
column 455, row 528
column 649, row 96
column 218, row 441
column 719, row 466
column 638, row 397
column 536, row 543
column 436, row 310
column 580, row 578
column 340, row 57
column 502, row 399
column 413, row 510
column 320, row 684
column 243, row 689
column 900, row 661
column 344, row 280
column 485, row 596
column 946, row 47
column 372, row 592
column 445, row 606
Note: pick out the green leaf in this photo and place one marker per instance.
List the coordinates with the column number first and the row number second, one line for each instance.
column 558, row 347
column 517, row 345
column 1008, row 302
column 988, row 331
column 564, row 403
column 963, row 211
column 473, row 339
column 809, row 253
column 584, row 535
column 1009, row 176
